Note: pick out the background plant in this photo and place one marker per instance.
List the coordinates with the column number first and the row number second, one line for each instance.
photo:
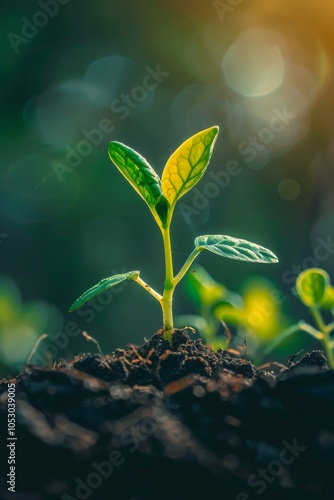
column 315, row 291
column 182, row 171
column 21, row 323
column 207, row 296
column 254, row 315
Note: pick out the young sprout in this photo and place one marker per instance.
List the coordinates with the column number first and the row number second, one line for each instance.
column 182, row 171
column 316, row 292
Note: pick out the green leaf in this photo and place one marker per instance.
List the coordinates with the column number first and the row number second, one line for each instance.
column 202, row 288
column 231, row 315
column 141, row 176
column 311, row 285
column 187, row 164
column 234, row 248
column 102, row 286
column 204, row 291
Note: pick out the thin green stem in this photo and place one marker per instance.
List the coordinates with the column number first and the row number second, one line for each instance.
column 168, row 257
column 170, row 283
column 318, row 319
column 330, row 327
column 165, row 300
column 300, row 326
column 167, row 314
column 186, row 265
column 169, row 286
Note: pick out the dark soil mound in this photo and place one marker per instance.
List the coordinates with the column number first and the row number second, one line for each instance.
column 157, row 362
column 171, row 422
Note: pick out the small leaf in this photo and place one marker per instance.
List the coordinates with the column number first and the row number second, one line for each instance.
column 140, row 175
column 187, row 164
column 202, row 288
column 102, row 286
column 234, row 248
column 231, row 315
column 311, row 286
column 205, row 292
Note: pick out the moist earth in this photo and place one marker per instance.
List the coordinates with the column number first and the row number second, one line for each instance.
column 172, row 421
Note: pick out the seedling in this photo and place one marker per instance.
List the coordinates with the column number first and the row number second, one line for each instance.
column 315, row 291
column 182, row 171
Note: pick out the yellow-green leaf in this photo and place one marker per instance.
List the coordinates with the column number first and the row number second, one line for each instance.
column 311, row 285
column 187, row 164
column 102, row 286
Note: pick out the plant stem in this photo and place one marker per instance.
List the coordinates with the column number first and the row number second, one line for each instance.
column 167, row 313
column 169, row 285
column 166, row 299
column 330, row 327
column 150, row 290
column 326, row 338
column 186, row 265
column 300, row 326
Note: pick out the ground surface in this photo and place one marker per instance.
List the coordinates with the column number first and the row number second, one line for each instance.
column 171, row 422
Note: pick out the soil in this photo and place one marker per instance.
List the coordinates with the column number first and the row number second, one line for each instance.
column 176, row 421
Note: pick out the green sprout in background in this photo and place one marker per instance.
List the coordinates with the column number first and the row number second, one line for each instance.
column 256, row 312
column 208, row 296
column 21, row 323
column 314, row 289
column 182, row 171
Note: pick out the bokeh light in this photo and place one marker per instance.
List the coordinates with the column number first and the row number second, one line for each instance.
column 58, row 115
column 289, row 189
column 254, row 65
column 106, row 77
column 39, row 196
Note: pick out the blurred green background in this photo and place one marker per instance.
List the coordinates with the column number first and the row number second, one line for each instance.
column 76, row 75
